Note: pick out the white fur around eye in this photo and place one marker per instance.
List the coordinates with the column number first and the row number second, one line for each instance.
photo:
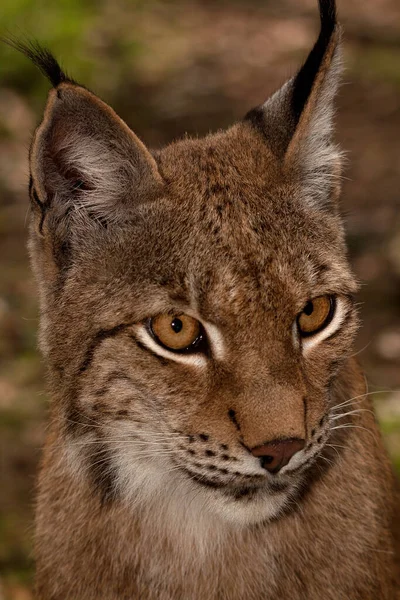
column 197, row 359
column 340, row 313
column 216, row 340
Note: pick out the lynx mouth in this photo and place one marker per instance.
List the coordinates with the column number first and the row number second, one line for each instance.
column 212, row 483
column 239, row 490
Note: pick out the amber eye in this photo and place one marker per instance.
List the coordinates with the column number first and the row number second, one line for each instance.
column 176, row 332
column 316, row 315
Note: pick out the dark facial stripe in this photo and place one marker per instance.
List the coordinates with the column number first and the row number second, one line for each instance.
column 39, row 204
column 232, row 416
column 161, row 359
column 136, row 386
column 100, row 336
column 110, row 379
column 305, row 415
column 102, row 472
column 75, row 420
column 321, row 271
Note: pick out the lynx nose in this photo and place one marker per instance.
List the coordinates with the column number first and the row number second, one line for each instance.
column 276, row 454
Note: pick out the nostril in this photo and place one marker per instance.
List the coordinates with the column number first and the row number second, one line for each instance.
column 276, row 454
column 269, row 463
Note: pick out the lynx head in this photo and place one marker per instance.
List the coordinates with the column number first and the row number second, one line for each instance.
column 196, row 301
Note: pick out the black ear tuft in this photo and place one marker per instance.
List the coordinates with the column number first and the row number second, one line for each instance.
column 42, row 58
column 307, row 98
column 304, row 80
column 297, row 120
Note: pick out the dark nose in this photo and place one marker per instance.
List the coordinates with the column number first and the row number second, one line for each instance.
column 276, row 454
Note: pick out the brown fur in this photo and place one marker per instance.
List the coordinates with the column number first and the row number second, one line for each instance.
column 148, row 488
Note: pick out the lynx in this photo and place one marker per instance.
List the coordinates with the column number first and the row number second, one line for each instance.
column 210, row 434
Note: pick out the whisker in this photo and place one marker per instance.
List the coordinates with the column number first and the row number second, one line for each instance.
column 337, row 446
column 351, row 412
column 134, row 443
column 142, row 455
column 362, row 350
column 350, row 426
column 115, row 427
column 330, row 463
column 347, row 402
column 362, row 396
column 346, row 448
column 334, row 447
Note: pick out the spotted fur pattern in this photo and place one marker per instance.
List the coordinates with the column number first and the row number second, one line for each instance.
column 148, row 488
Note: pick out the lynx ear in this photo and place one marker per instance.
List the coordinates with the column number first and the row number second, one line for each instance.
column 297, row 120
column 83, row 156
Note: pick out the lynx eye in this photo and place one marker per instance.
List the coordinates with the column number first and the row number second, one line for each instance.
column 179, row 333
column 316, row 315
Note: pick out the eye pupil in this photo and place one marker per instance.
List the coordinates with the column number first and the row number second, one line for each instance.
column 308, row 309
column 177, row 325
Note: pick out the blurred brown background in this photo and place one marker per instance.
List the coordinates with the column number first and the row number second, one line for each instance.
column 170, row 68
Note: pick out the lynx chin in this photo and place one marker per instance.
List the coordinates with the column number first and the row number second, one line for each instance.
column 210, row 433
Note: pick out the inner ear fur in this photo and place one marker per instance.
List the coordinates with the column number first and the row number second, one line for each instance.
column 85, row 157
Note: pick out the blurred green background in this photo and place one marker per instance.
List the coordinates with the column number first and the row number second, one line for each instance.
column 169, row 68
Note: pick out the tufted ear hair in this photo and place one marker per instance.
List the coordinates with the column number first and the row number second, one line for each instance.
column 297, row 120
column 84, row 158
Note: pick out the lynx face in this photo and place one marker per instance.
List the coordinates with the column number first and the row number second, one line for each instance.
column 238, row 259
column 196, row 302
